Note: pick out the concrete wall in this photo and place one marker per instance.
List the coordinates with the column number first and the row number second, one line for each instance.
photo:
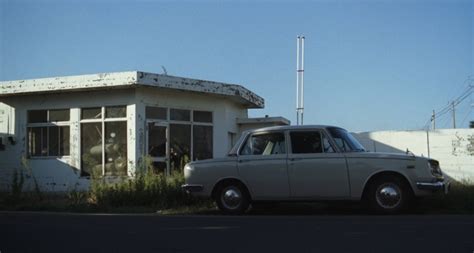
column 61, row 173
column 453, row 148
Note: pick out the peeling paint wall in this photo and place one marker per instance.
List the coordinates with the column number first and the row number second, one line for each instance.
column 68, row 83
column 234, row 91
column 127, row 80
column 62, row 173
column 454, row 148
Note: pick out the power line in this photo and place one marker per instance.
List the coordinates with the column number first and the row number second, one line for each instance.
column 450, row 107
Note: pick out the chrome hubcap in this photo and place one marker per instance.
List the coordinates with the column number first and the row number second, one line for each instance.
column 231, row 197
column 388, row 195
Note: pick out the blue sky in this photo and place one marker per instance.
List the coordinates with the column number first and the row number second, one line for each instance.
column 369, row 65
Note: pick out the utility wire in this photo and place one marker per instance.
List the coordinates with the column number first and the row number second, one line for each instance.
column 448, row 108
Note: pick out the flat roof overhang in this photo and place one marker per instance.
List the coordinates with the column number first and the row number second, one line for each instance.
column 130, row 79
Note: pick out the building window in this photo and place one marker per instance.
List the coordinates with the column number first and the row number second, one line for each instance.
column 48, row 133
column 104, row 141
column 190, row 135
column 156, row 113
column 180, row 115
column 180, row 145
column 202, row 142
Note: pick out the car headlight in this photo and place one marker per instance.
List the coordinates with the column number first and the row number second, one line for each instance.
column 188, row 170
column 434, row 168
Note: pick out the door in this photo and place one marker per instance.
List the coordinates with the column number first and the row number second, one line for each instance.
column 315, row 170
column 158, row 145
column 262, row 163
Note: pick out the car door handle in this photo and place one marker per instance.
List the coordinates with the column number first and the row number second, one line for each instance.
column 295, row 159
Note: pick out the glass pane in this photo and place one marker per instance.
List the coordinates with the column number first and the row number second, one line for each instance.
column 159, row 167
column 265, row 144
column 37, row 116
column 180, row 146
column 59, row 115
column 156, row 140
column 91, row 113
column 116, row 112
column 91, row 149
column 37, row 141
column 53, row 141
column 202, row 141
column 156, row 113
column 64, row 140
column 306, row 142
column 116, row 148
column 202, row 116
column 327, row 145
column 181, row 115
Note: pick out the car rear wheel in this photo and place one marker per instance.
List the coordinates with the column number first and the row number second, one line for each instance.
column 232, row 199
column 389, row 195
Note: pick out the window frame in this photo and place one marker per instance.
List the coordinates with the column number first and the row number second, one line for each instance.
column 47, row 124
column 250, row 135
column 101, row 120
column 191, row 122
column 322, row 134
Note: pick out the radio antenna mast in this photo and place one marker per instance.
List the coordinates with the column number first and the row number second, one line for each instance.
column 299, row 79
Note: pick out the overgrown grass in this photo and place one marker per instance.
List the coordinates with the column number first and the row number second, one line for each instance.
column 460, row 200
column 148, row 192
column 145, row 192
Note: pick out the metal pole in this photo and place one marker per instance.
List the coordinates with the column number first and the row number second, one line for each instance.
column 454, row 115
column 433, row 120
column 302, row 79
column 297, row 80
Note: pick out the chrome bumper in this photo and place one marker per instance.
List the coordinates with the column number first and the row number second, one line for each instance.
column 436, row 186
column 192, row 188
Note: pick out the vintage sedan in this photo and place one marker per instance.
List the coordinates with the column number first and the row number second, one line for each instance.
column 311, row 163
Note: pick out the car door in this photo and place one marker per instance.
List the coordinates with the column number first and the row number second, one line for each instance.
column 262, row 163
column 316, row 170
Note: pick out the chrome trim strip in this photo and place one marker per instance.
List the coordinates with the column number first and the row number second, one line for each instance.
column 436, row 186
column 192, row 187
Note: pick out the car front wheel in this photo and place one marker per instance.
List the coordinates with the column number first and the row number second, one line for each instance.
column 232, row 199
column 389, row 195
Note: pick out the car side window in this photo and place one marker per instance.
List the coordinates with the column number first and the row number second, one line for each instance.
column 306, row 142
column 327, row 145
column 342, row 144
column 265, row 144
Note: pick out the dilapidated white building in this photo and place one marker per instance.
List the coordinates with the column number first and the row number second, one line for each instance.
column 65, row 129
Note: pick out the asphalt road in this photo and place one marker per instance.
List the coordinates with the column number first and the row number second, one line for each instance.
column 49, row 232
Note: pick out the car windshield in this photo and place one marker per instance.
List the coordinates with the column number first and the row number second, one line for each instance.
column 345, row 141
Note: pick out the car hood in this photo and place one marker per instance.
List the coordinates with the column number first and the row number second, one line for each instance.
column 383, row 155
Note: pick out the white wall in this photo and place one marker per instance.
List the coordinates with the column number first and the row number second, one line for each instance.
column 56, row 174
column 453, row 148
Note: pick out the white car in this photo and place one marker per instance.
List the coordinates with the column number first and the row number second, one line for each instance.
column 311, row 163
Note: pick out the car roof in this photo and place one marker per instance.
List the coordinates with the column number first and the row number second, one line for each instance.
column 284, row 128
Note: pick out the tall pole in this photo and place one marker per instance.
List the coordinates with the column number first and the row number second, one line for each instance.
column 454, row 114
column 433, row 120
column 299, row 79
